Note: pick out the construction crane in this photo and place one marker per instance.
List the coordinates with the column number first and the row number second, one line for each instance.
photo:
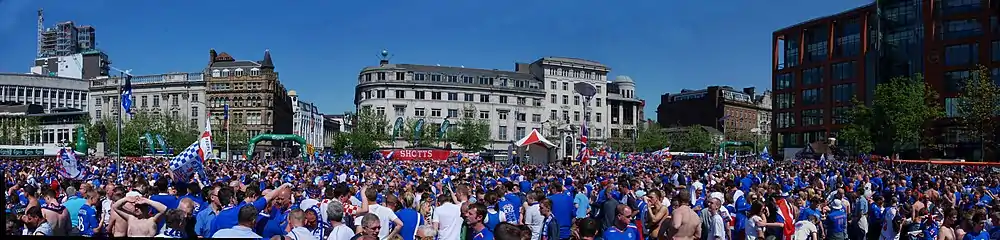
column 41, row 29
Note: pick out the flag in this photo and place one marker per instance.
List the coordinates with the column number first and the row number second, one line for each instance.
column 766, row 156
column 584, row 151
column 69, row 167
column 225, row 115
column 785, row 218
column 127, row 95
column 191, row 160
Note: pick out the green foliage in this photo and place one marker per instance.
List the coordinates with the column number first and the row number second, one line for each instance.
column 651, row 138
column 470, row 133
column 177, row 132
column 238, row 135
column 691, row 139
column 368, row 132
column 979, row 105
column 425, row 137
column 900, row 112
column 19, row 130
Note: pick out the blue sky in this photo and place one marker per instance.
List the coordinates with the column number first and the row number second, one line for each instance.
column 320, row 46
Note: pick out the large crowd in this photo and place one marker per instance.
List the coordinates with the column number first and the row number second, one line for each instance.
column 639, row 197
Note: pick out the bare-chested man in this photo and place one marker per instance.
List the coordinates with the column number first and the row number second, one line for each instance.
column 140, row 223
column 116, row 224
column 947, row 232
column 684, row 222
column 55, row 213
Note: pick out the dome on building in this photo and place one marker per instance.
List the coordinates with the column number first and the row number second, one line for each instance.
column 623, row 79
column 292, row 93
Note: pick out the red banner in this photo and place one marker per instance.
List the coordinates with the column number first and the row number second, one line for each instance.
column 418, row 154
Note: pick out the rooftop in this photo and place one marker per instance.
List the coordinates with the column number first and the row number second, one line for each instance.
column 819, row 19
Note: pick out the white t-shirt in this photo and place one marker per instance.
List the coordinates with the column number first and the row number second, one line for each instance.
column 448, row 216
column 752, row 229
column 804, row 230
column 718, row 229
column 341, row 232
column 43, row 229
column 888, row 230
column 385, row 215
column 300, row 233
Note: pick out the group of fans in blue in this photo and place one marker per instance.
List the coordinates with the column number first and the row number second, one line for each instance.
column 639, row 197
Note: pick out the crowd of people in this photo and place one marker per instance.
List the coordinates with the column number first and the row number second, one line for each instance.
column 640, row 197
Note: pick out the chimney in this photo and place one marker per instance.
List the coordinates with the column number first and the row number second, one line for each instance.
column 522, row 67
column 212, row 54
column 750, row 91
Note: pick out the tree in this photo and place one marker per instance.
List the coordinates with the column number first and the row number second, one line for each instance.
column 419, row 136
column 20, row 130
column 470, row 133
column 177, row 133
column 370, row 130
column 238, row 135
column 650, row 137
column 979, row 104
column 691, row 139
column 896, row 120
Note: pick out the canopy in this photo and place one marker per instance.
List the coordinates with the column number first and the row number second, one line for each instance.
column 534, row 138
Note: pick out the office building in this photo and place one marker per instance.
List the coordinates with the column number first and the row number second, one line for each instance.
column 55, row 128
column 731, row 111
column 257, row 100
column 821, row 64
column 178, row 95
column 65, row 39
column 625, row 110
column 510, row 102
column 50, row 92
column 308, row 121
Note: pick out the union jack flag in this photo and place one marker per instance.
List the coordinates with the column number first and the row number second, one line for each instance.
column 584, row 150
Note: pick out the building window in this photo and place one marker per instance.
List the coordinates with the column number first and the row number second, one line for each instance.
column 194, row 111
column 597, row 101
column 565, row 86
column 536, row 118
column 812, row 117
column 520, row 132
column 953, row 80
column 469, row 113
column 996, row 75
column 812, row 76
column 553, row 115
column 216, row 73
column 576, row 100
column 812, row 96
column 484, row 114
column 843, row 93
column 225, row 72
column 156, row 100
column 435, row 112
column 400, row 76
column 965, row 54
column 522, row 101
column 419, row 112
column 175, row 100
column 399, row 110
column 143, row 102
column 503, row 99
column 597, row 117
column 785, row 80
column 785, row 100
column 484, row 98
column 453, row 79
column 951, row 108
column 521, row 117
column 420, row 94
column 576, row 116
column 467, row 79
column 503, row 115
column 565, row 99
column 452, row 113
column 418, row 76
column 553, row 97
column 843, row 71
column 452, row 96
column 951, row 7
column 400, row 94
column 435, row 77
column 841, row 115
column 380, row 76
column 469, row 97
column 239, row 72
column 502, row 133
column 786, row 120
column 958, row 29
column 380, row 111
column 848, row 42
column 791, row 51
column 816, row 44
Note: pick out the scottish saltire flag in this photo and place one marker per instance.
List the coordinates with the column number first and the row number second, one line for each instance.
column 190, row 161
column 766, row 156
column 69, row 167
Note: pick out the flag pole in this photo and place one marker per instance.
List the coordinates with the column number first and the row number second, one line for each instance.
column 228, row 153
column 118, row 151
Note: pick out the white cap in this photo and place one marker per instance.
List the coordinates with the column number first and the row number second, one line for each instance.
column 837, row 204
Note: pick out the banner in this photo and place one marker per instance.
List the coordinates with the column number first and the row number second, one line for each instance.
column 418, row 154
column 149, row 142
column 69, row 167
column 163, row 143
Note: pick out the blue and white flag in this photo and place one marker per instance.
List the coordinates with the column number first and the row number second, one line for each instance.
column 766, row 156
column 69, row 166
column 191, row 160
column 127, row 95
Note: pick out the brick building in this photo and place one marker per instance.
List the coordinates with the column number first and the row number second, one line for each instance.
column 721, row 107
